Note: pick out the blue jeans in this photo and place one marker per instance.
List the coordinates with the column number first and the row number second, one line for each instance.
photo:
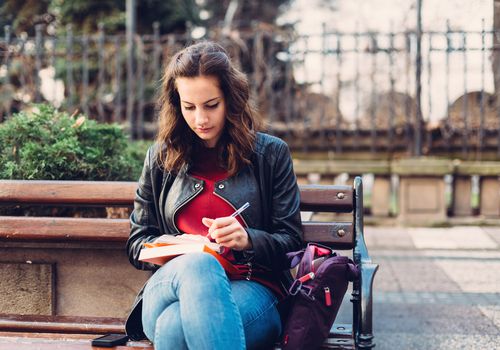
column 189, row 303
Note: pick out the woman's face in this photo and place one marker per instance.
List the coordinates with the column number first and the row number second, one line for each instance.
column 203, row 107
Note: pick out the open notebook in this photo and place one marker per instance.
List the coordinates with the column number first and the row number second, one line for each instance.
column 168, row 247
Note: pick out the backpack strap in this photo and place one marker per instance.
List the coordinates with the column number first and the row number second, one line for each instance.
column 305, row 265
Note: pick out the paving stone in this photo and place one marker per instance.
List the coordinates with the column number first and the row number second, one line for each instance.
column 493, row 313
column 426, row 341
column 436, row 288
column 447, row 298
column 432, row 319
column 473, row 276
column 461, row 237
column 394, row 237
column 479, row 255
column 493, row 232
column 412, row 275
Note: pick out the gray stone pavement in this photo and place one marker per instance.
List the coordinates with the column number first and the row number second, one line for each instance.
column 436, row 288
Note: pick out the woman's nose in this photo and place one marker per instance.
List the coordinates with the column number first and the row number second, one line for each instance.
column 200, row 117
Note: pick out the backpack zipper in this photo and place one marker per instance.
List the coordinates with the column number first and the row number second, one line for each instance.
column 328, row 296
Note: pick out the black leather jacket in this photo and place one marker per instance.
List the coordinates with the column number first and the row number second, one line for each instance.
column 272, row 220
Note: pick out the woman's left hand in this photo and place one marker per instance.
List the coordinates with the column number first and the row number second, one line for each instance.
column 228, row 232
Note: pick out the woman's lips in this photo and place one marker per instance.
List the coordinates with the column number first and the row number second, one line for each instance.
column 204, row 130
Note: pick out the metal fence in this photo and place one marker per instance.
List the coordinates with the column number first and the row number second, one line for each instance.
column 361, row 92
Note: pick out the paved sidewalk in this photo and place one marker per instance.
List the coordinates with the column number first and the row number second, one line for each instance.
column 459, row 237
column 436, row 288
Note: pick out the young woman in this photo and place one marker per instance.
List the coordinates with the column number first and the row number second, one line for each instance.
column 208, row 161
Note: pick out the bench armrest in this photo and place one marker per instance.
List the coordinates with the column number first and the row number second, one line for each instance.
column 363, row 288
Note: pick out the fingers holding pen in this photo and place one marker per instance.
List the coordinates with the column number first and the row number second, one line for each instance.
column 214, row 224
column 221, row 226
column 222, row 233
column 228, row 232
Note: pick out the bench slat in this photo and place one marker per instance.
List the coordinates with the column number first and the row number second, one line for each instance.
column 28, row 228
column 67, row 192
column 70, row 331
column 9, row 342
column 326, row 198
column 334, row 234
column 121, row 193
column 61, row 324
column 63, row 229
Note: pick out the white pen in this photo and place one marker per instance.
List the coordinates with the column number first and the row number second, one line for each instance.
column 239, row 211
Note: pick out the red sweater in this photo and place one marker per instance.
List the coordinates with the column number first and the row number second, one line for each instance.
column 207, row 204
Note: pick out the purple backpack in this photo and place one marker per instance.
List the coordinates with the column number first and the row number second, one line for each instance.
column 318, row 289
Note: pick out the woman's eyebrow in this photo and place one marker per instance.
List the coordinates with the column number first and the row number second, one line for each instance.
column 208, row 101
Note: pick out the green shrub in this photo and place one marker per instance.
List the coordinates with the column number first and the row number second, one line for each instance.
column 51, row 145
column 136, row 153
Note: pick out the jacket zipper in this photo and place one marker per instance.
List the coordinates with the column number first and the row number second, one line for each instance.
column 183, row 204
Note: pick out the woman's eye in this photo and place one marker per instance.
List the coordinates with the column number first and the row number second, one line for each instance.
column 189, row 108
column 213, row 106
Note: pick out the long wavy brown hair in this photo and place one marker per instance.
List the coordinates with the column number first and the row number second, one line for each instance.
column 177, row 141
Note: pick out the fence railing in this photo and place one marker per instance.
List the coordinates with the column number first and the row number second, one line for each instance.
column 333, row 91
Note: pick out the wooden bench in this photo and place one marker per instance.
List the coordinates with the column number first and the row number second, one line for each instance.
column 91, row 243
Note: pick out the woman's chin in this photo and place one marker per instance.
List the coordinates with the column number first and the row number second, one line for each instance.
column 208, row 139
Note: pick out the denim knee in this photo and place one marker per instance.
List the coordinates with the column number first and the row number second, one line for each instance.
column 193, row 260
column 193, row 266
column 197, row 266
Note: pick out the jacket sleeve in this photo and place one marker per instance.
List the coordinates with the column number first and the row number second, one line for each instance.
column 270, row 248
column 144, row 225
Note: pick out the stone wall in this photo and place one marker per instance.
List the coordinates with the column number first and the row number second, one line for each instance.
column 76, row 279
column 416, row 191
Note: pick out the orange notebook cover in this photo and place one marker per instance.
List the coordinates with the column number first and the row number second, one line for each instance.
column 160, row 253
